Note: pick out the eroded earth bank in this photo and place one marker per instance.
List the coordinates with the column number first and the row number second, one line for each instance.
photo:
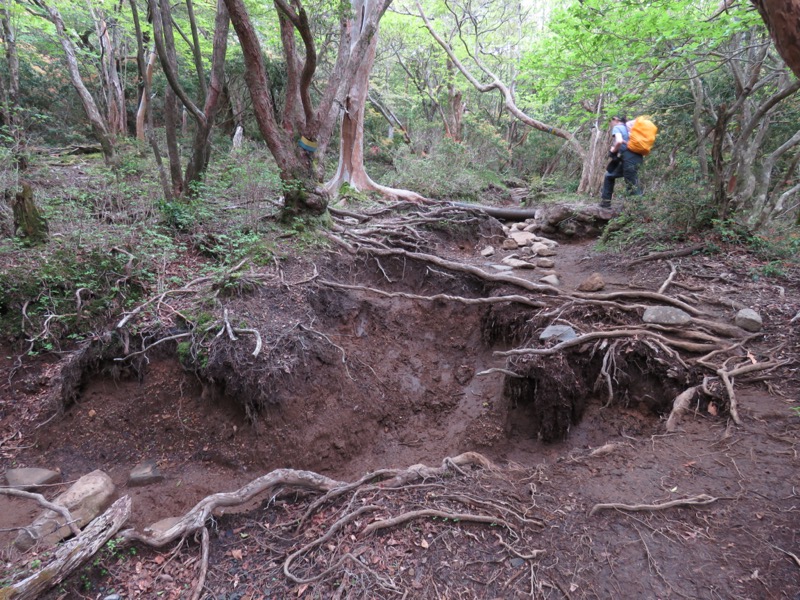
column 558, row 464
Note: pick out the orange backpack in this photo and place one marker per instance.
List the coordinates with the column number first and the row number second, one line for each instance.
column 642, row 135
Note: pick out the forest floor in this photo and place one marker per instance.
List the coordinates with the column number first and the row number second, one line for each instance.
column 360, row 383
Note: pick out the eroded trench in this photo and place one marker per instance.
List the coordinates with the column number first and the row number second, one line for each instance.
column 348, row 381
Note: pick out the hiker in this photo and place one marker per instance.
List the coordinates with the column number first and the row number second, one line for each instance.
column 624, row 163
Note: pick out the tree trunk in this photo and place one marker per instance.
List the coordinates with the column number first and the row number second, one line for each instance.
column 99, row 126
column 144, row 99
column 351, row 168
column 165, row 46
column 114, row 95
column 11, row 108
column 146, row 77
column 29, row 223
column 783, row 21
column 201, row 148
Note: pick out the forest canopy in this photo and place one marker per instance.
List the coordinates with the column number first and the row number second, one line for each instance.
column 413, row 99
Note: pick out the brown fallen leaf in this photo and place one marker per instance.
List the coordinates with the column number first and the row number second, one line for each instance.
column 237, row 554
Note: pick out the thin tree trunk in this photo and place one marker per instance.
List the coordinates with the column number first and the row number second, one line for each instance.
column 144, row 100
column 201, row 148
column 146, row 75
column 11, row 106
column 99, row 126
column 351, row 168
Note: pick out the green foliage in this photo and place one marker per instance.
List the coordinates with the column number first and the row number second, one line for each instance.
column 63, row 292
column 449, row 171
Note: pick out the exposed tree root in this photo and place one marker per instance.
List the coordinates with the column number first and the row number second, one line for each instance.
column 196, row 518
column 680, row 406
column 699, row 500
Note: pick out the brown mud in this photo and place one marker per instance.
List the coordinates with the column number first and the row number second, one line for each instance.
column 350, row 382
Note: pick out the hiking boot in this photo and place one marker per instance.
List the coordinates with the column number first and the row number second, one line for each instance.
column 605, row 204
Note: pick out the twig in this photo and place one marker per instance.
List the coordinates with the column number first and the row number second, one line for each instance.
column 700, row 500
column 666, row 254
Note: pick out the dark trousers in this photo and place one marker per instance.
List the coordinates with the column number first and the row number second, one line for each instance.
column 627, row 167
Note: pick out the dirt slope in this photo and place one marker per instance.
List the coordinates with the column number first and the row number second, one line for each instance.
column 351, row 381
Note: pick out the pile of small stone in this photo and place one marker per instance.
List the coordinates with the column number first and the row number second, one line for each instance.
column 528, row 251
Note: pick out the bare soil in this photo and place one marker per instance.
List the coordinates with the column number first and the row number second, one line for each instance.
column 350, row 382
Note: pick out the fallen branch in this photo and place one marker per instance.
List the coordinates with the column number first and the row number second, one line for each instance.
column 700, row 500
column 62, row 510
column 73, row 553
column 666, row 254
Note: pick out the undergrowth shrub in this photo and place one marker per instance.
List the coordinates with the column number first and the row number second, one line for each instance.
column 669, row 212
column 448, row 171
column 64, row 292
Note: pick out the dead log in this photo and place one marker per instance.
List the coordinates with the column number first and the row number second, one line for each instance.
column 72, row 554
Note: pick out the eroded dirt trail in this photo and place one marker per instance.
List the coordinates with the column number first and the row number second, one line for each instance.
column 357, row 381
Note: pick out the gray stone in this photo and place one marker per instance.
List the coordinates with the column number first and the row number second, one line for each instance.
column 749, row 320
column 525, row 251
column 510, row 244
column 517, row 562
column 502, row 268
column 548, row 241
column 31, row 478
column 551, row 280
column 159, row 527
column 85, row 499
column 665, row 315
column 517, row 263
column 488, row 251
column 523, row 238
column 545, row 263
column 144, row 473
column 593, row 283
column 542, row 249
column 562, row 333
column 113, row 597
